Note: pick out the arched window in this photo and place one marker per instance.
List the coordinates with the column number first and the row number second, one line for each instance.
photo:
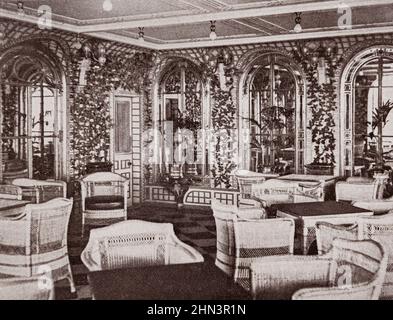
column 32, row 123
column 368, row 122
column 276, row 103
column 180, row 117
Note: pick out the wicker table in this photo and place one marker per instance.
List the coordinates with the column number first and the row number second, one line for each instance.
column 307, row 214
column 11, row 207
column 199, row 281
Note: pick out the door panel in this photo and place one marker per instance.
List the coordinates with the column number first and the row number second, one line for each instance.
column 123, row 140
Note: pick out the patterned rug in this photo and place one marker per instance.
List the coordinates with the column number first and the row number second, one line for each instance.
column 194, row 227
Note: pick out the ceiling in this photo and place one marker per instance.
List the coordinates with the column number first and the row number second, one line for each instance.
column 173, row 24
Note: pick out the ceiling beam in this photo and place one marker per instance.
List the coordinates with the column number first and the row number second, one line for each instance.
column 232, row 14
column 277, row 38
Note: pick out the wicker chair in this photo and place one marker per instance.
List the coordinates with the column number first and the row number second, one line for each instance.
column 37, row 240
column 10, row 192
column 33, row 288
column 357, row 188
column 136, row 243
column 378, row 228
column 353, row 267
column 256, row 239
column 39, row 191
column 245, row 179
column 103, row 198
column 223, row 216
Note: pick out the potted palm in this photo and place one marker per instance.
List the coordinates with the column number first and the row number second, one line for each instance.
column 379, row 121
column 272, row 121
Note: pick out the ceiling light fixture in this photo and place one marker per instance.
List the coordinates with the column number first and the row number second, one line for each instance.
column 77, row 44
column 213, row 34
column 141, row 34
column 20, row 8
column 298, row 27
column 107, row 5
column 94, row 51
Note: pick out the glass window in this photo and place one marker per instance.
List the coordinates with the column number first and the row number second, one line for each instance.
column 181, row 122
column 373, row 130
column 272, row 117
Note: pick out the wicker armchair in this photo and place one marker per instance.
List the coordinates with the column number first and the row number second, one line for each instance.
column 103, row 198
column 256, row 239
column 357, row 188
column 10, row 192
column 378, row 228
column 136, row 243
column 245, row 179
column 223, row 216
column 276, row 191
column 34, row 288
column 353, row 267
column 39, row 191
column 37, row 240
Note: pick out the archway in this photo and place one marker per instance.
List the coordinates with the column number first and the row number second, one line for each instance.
column 366, row 88
column 33, row 113
column 272, row 115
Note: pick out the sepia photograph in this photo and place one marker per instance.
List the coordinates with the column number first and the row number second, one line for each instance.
column 211, row 153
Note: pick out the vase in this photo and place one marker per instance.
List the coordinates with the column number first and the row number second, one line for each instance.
column 319, row 169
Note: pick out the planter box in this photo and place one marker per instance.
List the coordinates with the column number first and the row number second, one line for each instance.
column 319, row 169
column 98, row 167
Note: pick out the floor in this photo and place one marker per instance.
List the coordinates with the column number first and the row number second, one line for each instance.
column 194, row 227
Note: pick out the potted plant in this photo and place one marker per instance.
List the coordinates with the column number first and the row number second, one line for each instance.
column 272, row 120
column 379, row 121
column 178, row 186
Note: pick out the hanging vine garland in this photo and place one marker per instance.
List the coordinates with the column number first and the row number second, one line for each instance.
column 322, row 104
column 223, row 121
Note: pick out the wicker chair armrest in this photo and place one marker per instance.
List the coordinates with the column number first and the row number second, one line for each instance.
column 249, row 203
column 279, row 277
column 87, row 257
column 377, row 206
column 362, row 292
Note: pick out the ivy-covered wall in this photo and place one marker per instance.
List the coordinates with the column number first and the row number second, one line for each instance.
column 127, row 67
column 136, row 69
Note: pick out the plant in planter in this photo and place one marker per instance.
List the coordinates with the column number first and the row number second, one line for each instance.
column 178, row 186
column 379, row 120
column 321, row 92
column 272, row 121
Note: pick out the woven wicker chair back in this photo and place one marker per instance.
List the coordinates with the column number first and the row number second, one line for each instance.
column 34, row 288
column 137, row 243
column 359, row 263
column 39, row 191
column 48, row 224
column 380, row 229
column 357, row 190
column 10, row 192
column 103, row 176
column 37, row 241
column 223, row 216
column 245, row 179
column 327, row 232
column 260, row 238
